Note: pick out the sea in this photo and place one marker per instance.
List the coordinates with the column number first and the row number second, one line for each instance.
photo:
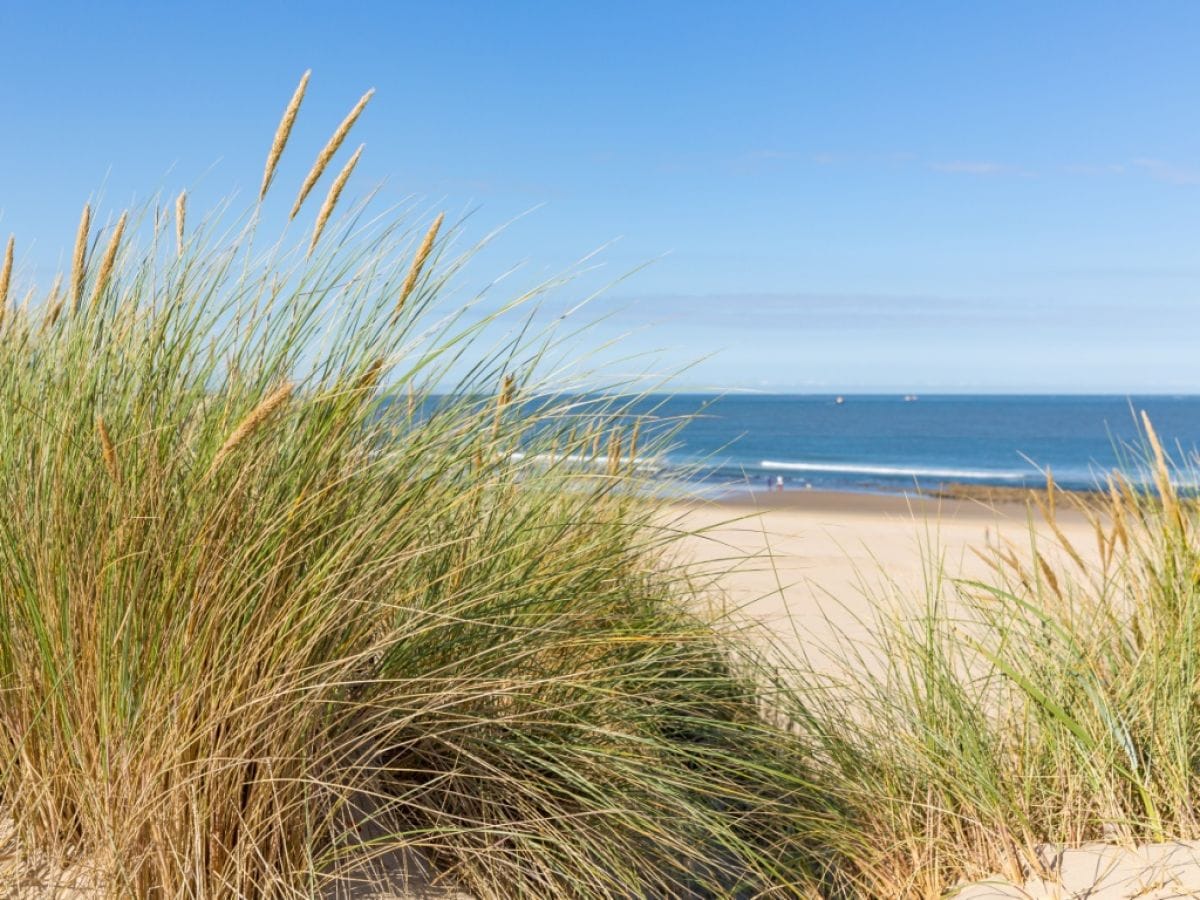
column 889, row 444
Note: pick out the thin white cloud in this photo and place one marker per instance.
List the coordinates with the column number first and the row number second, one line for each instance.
column 1171, row 173
column 1158, row 169
column 1095, row 169
column 982, row 168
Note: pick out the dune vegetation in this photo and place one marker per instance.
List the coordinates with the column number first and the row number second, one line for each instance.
column 304, row 588
column 1053, row 703
column 276, row 604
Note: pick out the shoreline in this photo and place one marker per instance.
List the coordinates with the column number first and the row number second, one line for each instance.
column 854, row 503
column 952, row 501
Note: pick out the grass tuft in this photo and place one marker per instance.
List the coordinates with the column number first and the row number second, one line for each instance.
column 1049, row 704
column 328, row 608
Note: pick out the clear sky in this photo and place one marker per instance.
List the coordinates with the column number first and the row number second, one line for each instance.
column 835, row 197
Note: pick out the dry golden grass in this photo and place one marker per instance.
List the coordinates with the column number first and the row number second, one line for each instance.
column 180, row 218
column 418, row 264
column 331, row 198
column 6, row 274
column 79, row 258
column 370, row 378
column 107, row 450
column 54, row 303
column 282, row 133
column 328, row 151
column 253, row 421
column 285, row 626
column 108, row 261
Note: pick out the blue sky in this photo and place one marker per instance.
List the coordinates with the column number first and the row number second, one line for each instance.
column 835, row 197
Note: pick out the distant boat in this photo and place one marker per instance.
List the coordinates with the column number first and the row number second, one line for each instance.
column 909, row 398
column 840, row 400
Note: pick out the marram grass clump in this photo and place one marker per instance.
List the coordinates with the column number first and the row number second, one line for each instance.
column 274, row 616
column 1051, row 703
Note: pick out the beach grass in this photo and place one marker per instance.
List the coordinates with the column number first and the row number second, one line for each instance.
column 1052, row 703
column 301, row 584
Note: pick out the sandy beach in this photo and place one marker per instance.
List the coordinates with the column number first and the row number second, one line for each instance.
column 813, row 566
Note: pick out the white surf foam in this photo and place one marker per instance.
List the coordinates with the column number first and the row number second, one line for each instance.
column 895, row 471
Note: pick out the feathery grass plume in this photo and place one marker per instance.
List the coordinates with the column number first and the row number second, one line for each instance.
column 108, row 451
column 331, row 199
column 1104, row 543
column 370, row 378
column 251, row 423
column 614, row 452
column 327, row 152
column 414, row 272
column 79, row 259
column 282, row 133
column 26, row 300
column 54, row 303
column 508, row 389
column 6, row 273
column 1117, row 507
column 108, row 261
column 180, row 216
column 1048, row 574
column 1162, row 475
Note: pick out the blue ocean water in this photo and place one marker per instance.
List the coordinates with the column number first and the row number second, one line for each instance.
column 893, row 443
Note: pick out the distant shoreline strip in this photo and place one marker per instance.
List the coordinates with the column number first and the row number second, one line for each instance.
column 897, row 471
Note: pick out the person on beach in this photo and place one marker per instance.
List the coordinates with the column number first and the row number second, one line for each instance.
column 779, row 483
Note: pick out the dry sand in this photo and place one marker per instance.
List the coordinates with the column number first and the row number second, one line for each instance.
column 811, row 566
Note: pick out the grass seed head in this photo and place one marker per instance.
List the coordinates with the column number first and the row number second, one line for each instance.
column 327, row 152
column 109, row 261
column 331, row 199
column 282, row 133
column 180, row 217
column 508, row 389
column 418, row 263
column 252, row 422
column 108, row 451
column 370, row 378
column 6, row 274
column 1162, row 475
column 54, row 303
column 79, row 259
